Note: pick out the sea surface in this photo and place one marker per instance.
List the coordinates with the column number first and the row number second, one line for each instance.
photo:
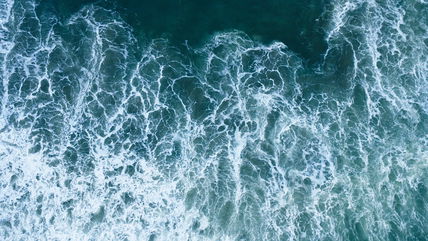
column 187, row 120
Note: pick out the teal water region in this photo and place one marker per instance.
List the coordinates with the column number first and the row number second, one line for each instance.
column 298, row 24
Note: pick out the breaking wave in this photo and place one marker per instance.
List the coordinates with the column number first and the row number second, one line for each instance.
column 103, row 137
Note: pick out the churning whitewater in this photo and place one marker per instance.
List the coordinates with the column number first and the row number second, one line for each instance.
column 105, row 136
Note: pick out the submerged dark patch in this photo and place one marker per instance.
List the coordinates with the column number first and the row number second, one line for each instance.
column 298, row 24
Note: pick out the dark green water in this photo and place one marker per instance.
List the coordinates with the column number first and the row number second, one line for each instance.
column 299, row 24
column 214, row 120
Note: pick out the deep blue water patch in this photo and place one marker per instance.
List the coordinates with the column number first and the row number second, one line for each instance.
column 299, row 24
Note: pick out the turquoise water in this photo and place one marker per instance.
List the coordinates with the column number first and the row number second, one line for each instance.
column 224, row 120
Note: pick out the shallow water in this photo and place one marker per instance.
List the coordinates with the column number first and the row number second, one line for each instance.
column 230, row 120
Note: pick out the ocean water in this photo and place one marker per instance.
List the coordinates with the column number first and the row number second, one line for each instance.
column 214, row 120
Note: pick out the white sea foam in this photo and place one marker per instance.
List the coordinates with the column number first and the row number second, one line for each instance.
column 112, row 140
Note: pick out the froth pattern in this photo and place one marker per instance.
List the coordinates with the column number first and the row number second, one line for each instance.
column 103, row 137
